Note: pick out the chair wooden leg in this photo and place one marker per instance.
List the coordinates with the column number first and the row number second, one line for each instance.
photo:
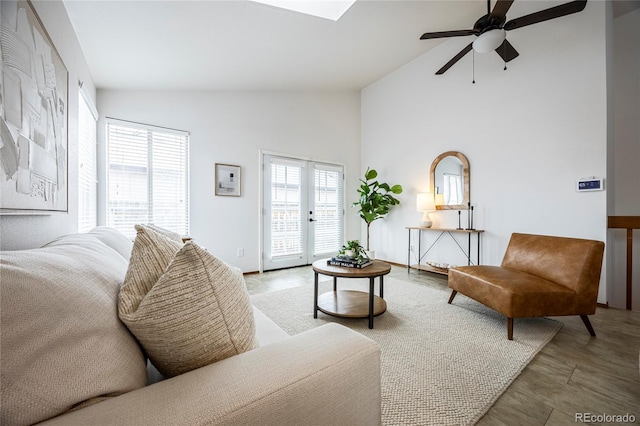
column 510, row 328
column 587, row 323
column 453, row 294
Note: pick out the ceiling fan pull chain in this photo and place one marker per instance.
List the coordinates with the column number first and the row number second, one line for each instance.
column 473, row 78
column 505, row 54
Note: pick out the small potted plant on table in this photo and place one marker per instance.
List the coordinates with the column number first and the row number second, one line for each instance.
column 351, row 255
column 353, row 250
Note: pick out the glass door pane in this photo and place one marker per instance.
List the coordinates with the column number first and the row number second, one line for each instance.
column 303, row 211
column 326, row 230
column 285, row 202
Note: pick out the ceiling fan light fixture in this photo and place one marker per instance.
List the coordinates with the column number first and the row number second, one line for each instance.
column 490, row 40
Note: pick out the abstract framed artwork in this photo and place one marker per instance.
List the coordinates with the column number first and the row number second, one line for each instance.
column 227, row 180
column 34, row 92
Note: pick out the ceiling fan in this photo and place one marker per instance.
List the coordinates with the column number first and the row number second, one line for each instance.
column 490, row 29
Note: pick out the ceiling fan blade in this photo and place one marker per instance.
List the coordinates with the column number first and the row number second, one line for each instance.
column 455, row 59
column 506, row 51
column 501, row 8
column 545, row 15
column 441, row 34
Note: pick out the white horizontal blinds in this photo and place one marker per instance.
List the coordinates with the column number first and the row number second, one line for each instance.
column 87, row 166
column 328, row 200
column 287, row 237
column 169, row 182
column 127, row 169
column 147, row 177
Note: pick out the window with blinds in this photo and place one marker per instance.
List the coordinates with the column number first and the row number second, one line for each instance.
column 87, row 164
column 148, row 177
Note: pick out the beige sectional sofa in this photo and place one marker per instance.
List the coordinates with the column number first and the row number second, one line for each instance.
column 67, row 359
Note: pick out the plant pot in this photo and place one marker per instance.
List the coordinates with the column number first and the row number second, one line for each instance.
column 349, row 253
column 371, row 254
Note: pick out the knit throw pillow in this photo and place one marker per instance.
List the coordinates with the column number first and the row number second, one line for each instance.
column 167, row 233
column 195, row 313
column 150, row 256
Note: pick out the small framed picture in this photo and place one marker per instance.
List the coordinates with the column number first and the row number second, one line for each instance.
column 227, row 180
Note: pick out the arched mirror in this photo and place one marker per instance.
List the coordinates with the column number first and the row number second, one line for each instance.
column 450, row 181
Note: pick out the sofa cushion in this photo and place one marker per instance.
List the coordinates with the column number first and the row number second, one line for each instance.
column 62, row 342
column 267, row 331
column 197, row 313
column 114, row 239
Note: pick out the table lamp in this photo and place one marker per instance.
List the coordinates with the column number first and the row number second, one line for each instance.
column 425, row 204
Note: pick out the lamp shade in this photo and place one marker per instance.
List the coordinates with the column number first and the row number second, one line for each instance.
column 491, row 40
column 424, row 202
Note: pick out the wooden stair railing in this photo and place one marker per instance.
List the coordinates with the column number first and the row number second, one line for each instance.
column 629, row 223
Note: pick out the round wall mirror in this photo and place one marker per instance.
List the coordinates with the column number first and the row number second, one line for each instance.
column 450, row 181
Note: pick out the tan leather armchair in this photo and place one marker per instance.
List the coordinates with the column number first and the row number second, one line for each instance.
column 539, row 276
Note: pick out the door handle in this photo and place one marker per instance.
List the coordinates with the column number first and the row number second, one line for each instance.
column 311, row 219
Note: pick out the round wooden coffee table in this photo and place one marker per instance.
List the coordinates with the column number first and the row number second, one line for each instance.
column 350, row 303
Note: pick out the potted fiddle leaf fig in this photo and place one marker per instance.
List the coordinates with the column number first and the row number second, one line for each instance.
column 376, row 199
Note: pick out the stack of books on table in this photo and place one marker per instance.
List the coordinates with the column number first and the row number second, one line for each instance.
column 348, row 262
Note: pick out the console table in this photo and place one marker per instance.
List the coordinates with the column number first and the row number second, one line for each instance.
column 441, row 232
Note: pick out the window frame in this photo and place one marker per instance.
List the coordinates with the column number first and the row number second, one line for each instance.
column 131, row 125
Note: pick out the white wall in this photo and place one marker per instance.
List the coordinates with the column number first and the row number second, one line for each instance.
column 624, row 153
column 529, row 133
column 20, row 232
column 232, row 128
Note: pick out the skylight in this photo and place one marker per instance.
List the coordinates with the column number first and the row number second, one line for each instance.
column 327, row 9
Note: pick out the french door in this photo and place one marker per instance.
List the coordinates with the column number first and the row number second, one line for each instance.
column 303, row 212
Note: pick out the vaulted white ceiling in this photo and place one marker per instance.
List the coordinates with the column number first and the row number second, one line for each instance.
column 243, row 45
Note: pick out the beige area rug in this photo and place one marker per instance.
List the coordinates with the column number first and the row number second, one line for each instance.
column 441, row 364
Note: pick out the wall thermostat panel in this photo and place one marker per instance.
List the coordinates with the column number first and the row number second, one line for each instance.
column 590, row 184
